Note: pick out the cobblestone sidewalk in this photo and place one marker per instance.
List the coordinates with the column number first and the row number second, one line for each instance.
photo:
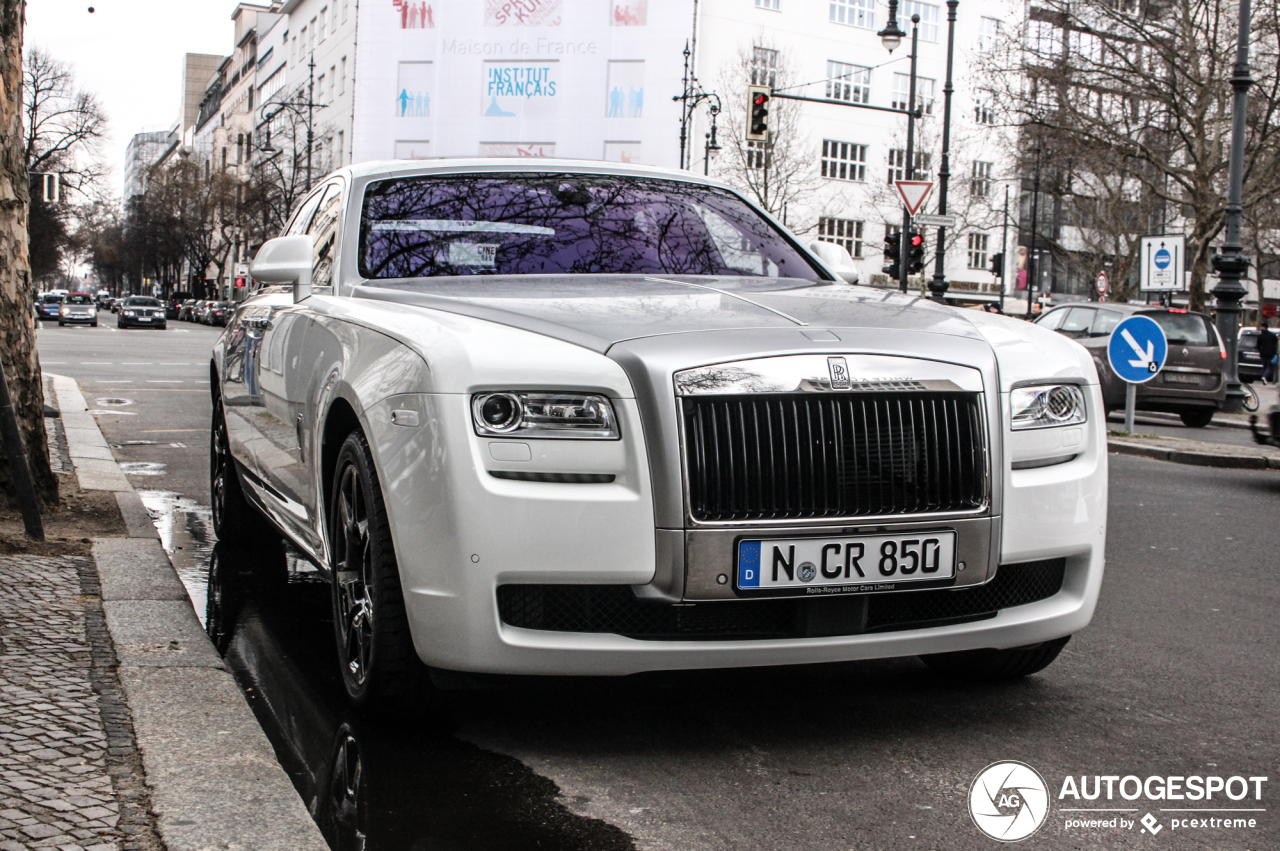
column 70, row 777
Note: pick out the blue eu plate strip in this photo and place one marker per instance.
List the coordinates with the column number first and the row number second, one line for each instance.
column 749, row 564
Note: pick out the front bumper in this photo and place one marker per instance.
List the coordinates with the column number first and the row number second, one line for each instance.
column 78, row 319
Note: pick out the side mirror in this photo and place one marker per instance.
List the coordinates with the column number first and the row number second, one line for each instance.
column 836, row 259
column 286, row 260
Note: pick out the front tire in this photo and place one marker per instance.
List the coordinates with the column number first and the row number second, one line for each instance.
column 1196, row 417
column 380, row 668
column 996, row 665
column 235, row 521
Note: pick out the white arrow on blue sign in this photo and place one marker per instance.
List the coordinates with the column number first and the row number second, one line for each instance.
column 1137, row 349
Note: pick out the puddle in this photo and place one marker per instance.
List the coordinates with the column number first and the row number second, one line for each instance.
column 113, row 402
column 142, row 468
column 112, row 412
column 186, row 533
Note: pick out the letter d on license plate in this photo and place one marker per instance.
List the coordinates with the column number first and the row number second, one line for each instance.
column 846, row 564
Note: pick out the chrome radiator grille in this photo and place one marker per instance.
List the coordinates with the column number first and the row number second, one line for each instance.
column 813, row 455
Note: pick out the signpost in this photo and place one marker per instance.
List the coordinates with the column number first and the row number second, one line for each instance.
column 936, row 221
column 1162, row 264
column 1136, row 353
column 1102, row 284
column 913, row 193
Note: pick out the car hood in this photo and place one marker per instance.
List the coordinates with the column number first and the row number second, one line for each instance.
column 598, row 312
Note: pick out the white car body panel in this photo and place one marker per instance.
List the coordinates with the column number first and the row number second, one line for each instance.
column 460, row 533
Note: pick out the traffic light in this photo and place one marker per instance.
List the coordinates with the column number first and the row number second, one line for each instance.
column 892, row 255
column 915, row 253
column 758, row 113
column 239, row 282
column 997, row 264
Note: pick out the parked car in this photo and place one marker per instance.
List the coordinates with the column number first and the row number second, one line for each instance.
column 216, row 313
column 1249, row 365
column 78, row 309
column 506, row 406
column 1191, row 383
column 47, row 306
column 184, row 310
column 174, row 304
column 139, row 311
column 198, row 308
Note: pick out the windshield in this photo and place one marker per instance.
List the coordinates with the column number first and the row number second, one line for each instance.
column 51, row 299
column 548, row 224
column 79, row 298
column 138, row 301
column 1182, row 329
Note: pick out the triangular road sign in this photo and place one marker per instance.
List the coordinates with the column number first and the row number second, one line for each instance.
column 913, row 193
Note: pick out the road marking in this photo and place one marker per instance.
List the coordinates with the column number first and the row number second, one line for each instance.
column 136, row 363
column 182, row 363
column 170, row 430
column 96, row 363
column 115, row 381
column 53, row 362
column 163, row 381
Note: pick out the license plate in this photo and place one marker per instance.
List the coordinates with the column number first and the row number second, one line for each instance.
column 1180, row 378
column 859, row 563
column 144, row 318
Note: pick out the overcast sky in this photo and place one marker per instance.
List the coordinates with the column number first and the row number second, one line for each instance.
column 129, row 53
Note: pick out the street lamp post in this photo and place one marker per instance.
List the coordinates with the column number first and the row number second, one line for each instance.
column 712, row 146
column 1035, row 226
column 938, row 285
column 297, row 109
column 690, row 96
column 891, row 37
column 1231, row 263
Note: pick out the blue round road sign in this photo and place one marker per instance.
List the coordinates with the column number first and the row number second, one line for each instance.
column 1137, row 349
column 1163, row 258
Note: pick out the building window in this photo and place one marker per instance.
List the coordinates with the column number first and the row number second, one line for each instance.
column 764, row 67
column 850, row 83
column 333, row 81
column 757, row 154
column 928, row 18
column 989, row 30
column 239, row 148
column 855, row 13
column 342, row 80
column 342, row 148
column 902, row 93
column 311, row 44
column 980, row 181
column 324, row 22
column 771, row 5
column 977, row 251
column 844, row 160
column 982, row 113
column 846, row 233
column 320, row 88
column 898, row 158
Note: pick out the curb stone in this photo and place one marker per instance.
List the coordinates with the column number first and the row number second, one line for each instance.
column 213, row 776
column 1197, row 454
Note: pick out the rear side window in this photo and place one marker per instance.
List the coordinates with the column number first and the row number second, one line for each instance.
column 1052, row 320
column 1248, row 343
column 1183, row 329
column 1105, row 322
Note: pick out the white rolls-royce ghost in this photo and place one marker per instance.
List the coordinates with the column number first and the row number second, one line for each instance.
column 562, row 417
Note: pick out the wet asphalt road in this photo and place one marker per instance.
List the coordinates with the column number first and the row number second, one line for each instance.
column 1178, row 675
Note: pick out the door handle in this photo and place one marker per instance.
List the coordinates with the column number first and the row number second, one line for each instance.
column 258, row 323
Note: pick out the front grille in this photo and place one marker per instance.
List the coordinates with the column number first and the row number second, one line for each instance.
column 808, row 455
column 615, row 609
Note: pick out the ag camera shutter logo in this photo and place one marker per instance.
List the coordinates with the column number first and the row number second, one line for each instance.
column 1008, row 801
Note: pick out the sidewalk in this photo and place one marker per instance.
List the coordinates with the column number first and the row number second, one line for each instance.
column 119, row 726
column 1195, row 452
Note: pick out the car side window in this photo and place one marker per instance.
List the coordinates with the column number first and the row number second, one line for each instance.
column 324, row 230
column 302, row 218
column 1076, row 323
column 1105, row 322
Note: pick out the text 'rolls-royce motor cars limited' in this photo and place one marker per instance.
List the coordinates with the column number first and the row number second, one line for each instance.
column 584, row 418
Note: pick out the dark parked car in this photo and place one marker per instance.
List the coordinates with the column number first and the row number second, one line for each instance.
column 184, row 312
column 78, row 309
column 1190, row 385
column 140, row 311
column 174, row 304
column 217, row 312
column 47, row 306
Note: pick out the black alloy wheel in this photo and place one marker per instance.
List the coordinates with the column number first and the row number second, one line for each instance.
column 235, row 521
column 380, row 668
column 345, row 808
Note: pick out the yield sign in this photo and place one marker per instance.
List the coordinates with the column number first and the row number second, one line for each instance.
column 913, row 193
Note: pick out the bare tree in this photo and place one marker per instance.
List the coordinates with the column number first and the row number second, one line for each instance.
column 782, row 172
column 1137, row 93
column 17, row 325
column 65, row 127
column 187, row 203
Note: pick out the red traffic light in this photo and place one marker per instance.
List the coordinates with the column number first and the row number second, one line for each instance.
column 916, row 240
column 760, row 98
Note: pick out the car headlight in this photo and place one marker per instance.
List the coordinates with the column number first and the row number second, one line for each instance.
column 575, row 416
column 63, row 310
column 1046, row 406
column 128, row 313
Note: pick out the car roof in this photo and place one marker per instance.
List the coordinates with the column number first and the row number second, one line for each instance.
column 523, row 165
column 1124, row 307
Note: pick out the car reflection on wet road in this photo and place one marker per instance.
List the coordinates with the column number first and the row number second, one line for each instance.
column 370, row 783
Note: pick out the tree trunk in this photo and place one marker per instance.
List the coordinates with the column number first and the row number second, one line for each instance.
column 17, row 321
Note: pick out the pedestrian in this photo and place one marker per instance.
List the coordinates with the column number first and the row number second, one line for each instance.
column 1037, row 307
column 1267, row 345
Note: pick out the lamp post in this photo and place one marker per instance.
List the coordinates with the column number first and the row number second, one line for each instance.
column 297, row 108
column 690, row 96
column 891, row 37
column 938, row 284
column 1231, row 263
column 1035, row 224
column 712, row 146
